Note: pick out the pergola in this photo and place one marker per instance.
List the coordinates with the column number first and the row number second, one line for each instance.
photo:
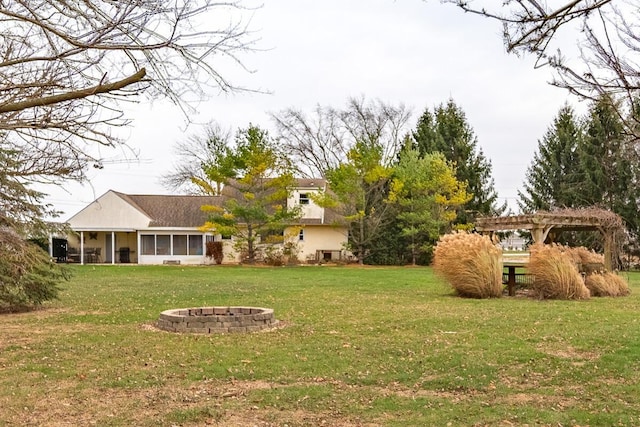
column 544, row 225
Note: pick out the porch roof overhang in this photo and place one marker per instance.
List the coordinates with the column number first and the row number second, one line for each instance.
column 105, row 229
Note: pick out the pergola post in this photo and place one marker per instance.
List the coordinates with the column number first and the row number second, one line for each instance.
column 608, row 250
column 540, row 233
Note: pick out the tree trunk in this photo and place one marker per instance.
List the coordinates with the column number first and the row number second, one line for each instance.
column 360, row 245
column 251, row 251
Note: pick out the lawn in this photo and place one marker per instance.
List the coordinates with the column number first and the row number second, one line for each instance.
column 356, row 347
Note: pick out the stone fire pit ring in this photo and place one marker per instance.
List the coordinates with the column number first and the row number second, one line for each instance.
column 211, row 320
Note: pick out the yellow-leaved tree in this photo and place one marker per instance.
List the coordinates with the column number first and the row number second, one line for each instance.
column 258, row 179
column 427, row 195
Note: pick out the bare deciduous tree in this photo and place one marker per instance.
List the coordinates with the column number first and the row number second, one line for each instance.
column 608, row 41
column 66, row 66
column 198, row 157
column 321, row 143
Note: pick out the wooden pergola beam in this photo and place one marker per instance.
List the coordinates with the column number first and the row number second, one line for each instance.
column 540, row 224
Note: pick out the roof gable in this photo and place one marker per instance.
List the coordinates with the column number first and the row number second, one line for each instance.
column 109, row 211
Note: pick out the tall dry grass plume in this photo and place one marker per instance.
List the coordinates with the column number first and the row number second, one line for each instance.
column 555, row 274
column 587, row 261
column 471, row 264
column 606, row 284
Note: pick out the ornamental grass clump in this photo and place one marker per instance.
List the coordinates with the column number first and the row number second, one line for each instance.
column 606, row 284
column 471, row 264
column 555, row 274
column 587, row 261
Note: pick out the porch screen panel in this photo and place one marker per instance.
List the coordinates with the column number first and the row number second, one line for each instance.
column 195, row 244
column 163, row 244
column 179, row 244
column 148, row 242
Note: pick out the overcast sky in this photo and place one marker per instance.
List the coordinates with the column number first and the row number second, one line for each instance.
column 323, row 52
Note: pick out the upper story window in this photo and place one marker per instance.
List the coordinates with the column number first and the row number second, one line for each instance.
column 304, row 199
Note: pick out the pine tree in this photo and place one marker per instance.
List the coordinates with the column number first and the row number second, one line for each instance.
column 427, row 194
column 447, row 131
column 609, row 163
column 553, row 178
column 258, row 180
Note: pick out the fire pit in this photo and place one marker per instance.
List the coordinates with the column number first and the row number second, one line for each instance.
column 210, row 320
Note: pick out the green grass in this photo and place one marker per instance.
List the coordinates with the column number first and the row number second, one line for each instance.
column 372, row 346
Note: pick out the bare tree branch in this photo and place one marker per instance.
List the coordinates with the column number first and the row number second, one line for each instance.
column 321, row 143
column 56, row 104
column 77, row 94
column 606, row 34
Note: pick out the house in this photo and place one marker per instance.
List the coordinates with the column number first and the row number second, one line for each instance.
column 160, row 229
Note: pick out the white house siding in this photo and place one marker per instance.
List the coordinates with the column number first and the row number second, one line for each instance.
column 321, row 238
column 109, row 212
column 311, row 210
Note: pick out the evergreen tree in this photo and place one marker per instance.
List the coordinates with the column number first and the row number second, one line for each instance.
column 581, row 166
column 427, row 194
column 258, row 180
column 609, row 164
column 447, row 131
column 553, row 178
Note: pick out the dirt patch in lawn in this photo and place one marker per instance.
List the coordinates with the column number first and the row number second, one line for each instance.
column 568, row 352
column 208, row 402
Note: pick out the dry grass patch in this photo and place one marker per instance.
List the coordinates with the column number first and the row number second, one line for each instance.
column 471, row 264
column 555, row 275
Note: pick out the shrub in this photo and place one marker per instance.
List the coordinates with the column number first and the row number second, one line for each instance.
column 27, row 274
column 215, row 251
column 555, row 274
column 273, row 256
column 623, row 285
column 471, row 264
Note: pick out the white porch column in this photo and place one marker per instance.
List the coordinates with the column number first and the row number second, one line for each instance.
column 113, row 247
column 82, row 248
column 50, row 245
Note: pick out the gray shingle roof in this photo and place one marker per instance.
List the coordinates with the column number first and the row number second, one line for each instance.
column 172, row 211
column 185, row 210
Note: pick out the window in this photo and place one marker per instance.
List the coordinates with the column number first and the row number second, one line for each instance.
column 172, row 244
column 304, row 199
column 179, row 244
column 301, row 235
column 148, row 242
column 195, row 244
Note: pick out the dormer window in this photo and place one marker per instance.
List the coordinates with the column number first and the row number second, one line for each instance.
column 304, row 199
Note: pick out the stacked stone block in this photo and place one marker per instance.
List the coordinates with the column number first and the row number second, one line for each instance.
column 209, row 320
